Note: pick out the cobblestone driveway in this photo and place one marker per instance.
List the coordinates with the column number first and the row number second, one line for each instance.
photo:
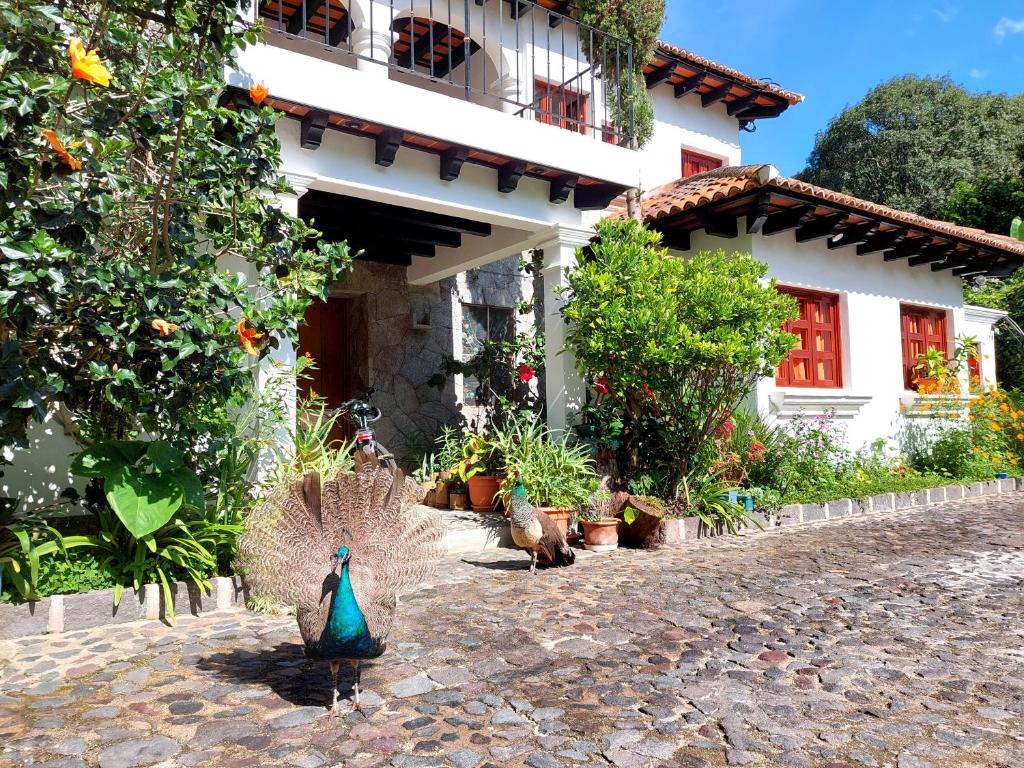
column 887, row 641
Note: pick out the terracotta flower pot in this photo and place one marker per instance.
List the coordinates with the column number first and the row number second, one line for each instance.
column 482, row 489
column 601, row 535
column 560, row 516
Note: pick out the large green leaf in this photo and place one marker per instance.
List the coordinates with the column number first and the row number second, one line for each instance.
column 100, row 460
column 189, row 481
column 1017, row 228
column 164, row 456
column 143, row 502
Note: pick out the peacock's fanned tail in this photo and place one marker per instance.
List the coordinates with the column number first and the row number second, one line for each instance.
column 394, row 543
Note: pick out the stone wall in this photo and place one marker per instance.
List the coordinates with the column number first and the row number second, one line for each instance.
column 401, row 334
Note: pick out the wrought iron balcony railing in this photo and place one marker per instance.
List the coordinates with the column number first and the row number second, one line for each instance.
column 520, row 57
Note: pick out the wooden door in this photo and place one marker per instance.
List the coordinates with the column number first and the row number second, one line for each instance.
column 326, row 337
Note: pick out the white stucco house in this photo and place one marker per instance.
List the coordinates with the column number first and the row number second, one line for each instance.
column 446, row 138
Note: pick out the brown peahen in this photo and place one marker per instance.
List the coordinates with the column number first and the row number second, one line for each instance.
column 341, row 556
column 536, row 532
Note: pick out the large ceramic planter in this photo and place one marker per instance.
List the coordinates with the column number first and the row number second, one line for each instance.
column 482, row 490
column 560, row 516
column 601, row 535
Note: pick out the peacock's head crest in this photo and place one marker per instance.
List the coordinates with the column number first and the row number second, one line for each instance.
column 342, row 556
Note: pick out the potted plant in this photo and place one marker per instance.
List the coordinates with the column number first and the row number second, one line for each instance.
column 559, row 477
column 426, row 475
column 478, row 469
column 600, row 527
column 456, row 494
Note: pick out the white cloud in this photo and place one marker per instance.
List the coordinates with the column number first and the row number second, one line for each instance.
column 1008, row 26
column 978, row 74
column 946, row 13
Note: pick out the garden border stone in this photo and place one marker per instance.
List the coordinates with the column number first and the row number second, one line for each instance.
column 69, row 613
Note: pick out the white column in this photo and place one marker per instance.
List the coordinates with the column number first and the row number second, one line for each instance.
column 372, row 39
column 563, row 384
column 276, row 368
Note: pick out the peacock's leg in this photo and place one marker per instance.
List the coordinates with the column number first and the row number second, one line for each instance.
column 533, row 561
column 355, row 686
column 335, row 667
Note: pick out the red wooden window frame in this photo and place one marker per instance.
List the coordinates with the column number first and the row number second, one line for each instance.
column 921, row 329
column 974, row 365
column 806, row 365
column 557, row 105
column 695, row 162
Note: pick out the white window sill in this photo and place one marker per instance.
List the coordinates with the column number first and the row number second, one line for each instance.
column 799, row 401
column 916, row 406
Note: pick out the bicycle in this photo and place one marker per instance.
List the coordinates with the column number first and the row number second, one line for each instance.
column 363, row 413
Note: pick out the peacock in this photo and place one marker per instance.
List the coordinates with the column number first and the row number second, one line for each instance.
column 536, row 532
column 340, row 556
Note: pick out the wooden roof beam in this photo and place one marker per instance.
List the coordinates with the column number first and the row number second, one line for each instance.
column 311, row 131
column 677, row 239
column 340, row 31
column 758, row 213
column 715, row 96
column 660, row 75
column 741, row 104
column 851, row 234
column 509, row 175
column 932, row 253
column 387, row 143
column 331, row 205
column 787, row 219
column 823, row 226
column 451, row 162
column 909, row 247
column 596, row 197
column 722, row 225
column 689, row 85
column 881, row 241
column 562, row 187
column 759, row 111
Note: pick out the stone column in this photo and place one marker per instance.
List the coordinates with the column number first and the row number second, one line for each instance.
column 563, row 385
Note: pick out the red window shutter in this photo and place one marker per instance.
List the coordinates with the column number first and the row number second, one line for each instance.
column 694, row 163
column 921, row 329
column 561, row 106
column 816, row 361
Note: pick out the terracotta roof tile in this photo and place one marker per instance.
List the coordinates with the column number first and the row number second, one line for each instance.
column 722, row 183
column 734, row 74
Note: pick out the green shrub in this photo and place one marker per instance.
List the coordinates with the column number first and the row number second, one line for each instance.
column 678, row 342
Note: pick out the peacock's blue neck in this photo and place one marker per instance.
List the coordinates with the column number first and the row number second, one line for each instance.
column 346, row 631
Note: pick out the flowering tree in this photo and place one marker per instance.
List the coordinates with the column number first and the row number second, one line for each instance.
column 677, row 344
column 146, row 266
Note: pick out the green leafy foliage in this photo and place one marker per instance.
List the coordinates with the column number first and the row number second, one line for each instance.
column 910, row 140
column 554, row 472
column 171, row 217
column 679, row 343
column 145, row 483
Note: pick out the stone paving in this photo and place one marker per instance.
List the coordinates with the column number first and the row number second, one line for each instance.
column 894, row 640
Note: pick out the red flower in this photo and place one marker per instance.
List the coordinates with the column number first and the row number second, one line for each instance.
column 601, row 385
column 248, row 338
column 525, row 372
column 727, row 428
column 649, row 392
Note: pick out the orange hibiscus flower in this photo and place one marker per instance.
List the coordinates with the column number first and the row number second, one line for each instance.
column 258, row 93
column 71, row 163
column 163, row 327
column 248, row 338
column 87, row 66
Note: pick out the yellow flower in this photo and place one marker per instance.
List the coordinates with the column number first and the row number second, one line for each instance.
column 996, row 460
column 87, row 66
column 1004, row 407
column 995, row 427
column 984, row 454
column 1014, row 462
column 974, row 450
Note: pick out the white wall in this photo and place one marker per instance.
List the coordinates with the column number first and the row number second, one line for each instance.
column 870, row 293
column 684, row 124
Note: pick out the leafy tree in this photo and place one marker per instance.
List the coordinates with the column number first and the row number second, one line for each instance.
column 146, row 266
column 911, row 139
column 986, row 203
column 677, row 344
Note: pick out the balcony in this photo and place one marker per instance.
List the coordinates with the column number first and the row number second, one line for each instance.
column 519, row 85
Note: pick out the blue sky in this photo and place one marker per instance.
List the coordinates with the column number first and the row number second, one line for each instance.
column 834, row 51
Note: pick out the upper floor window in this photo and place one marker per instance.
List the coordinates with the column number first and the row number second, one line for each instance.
column 922, row 328
column 815, row 361
column 481, row 324
column 694, row 163
column 557, row 105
